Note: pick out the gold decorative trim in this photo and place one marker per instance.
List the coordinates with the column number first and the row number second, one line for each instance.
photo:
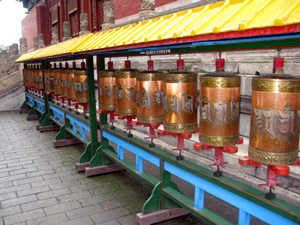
column 273, row 158
column 149, row 76
column 82, row 100
column 71, row 96
column 180, row 77
column 108, row 107
column 126, row 74
column 150, row 119
column 80, row 72
column 103, row 74
column 276, row 85
column 180, row 128
column 126, row 112
column 219, row 140
column 220, row 82
column 69, row 71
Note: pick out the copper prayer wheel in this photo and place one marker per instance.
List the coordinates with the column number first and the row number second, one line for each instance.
column 25, row 76
column 33, row 73
column 39, row 78
column 107, row 89
column 149, row 94
column 51, row 80
column 180, row 92
column 125, row 92
column 64, row 83
column 219, row 109
column 274, row 136
column 71, row 84
column 57, row 81
column 81, row 86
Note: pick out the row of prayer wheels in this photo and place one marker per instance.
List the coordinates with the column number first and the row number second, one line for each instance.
column 33, row 78
column 68, row 83
column 156, row 97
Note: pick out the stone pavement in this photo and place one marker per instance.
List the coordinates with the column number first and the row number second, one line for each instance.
column 39, row 184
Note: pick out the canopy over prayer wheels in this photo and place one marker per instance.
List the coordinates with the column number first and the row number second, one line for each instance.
column 274, row 136
column 125, row 88
column 149, row 85
column 180, row 89
column 219, row 109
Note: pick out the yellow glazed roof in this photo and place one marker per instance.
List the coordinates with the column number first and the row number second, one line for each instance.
column 27, row 56
column 226, row 16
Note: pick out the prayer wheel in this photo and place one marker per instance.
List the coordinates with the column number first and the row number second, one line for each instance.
column 52, row 79
column 180, row 93
column 71, row 83
column 219, row 109
column 57, row 81
column 107, row 89
column 25, row 75
column 125, row 88
column 33, row 74
column 81, row 86
column 149, row 87
column 274, row 136
column 64, row 82
column 39, row 78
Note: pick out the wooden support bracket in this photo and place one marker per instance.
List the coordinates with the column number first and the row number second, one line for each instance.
column 159, row 216
column 33, row 117
column 102, row 170
column 80, row 167
column 49, row 128
column 65, row 142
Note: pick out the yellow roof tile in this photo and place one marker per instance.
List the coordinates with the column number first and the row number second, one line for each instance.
column 229, row 15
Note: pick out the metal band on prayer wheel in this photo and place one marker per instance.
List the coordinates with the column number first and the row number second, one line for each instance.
column 180, row 92
column 219, row 109
column 81, row 86
column 125, row 92
column 57, row 81
column 274, row 137
column 107, row 90
column 149, row 87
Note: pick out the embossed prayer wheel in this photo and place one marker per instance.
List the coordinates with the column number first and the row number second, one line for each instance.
column 39, row 78
column 219, row 109
column 33, row 75
column 125, row 92
column 57, row 81
column 51, row 80
column 81, row 86
column 64, row 83
column 149, row 94
column 180, row 93
column 107, row 89
column 274, row 136
column 71, row 84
